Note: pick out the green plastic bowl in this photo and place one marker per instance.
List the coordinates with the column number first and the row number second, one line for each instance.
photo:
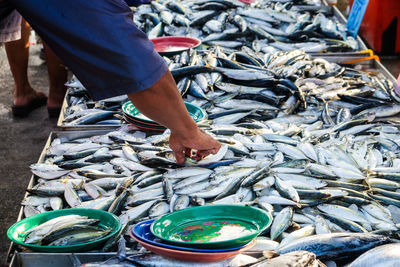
column 195, row 112
column 212, row 226
column 106, row 220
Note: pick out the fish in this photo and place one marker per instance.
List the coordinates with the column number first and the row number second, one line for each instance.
column 343, row 212
column 186, row 172
column 295, row 258
column 263, row 243
column 181, row 202
column 300, row 135
column 303, row 232
column 137, row 212
column 281, row 222
column 286, row 190
column 77, row 238
column 336, row 245
column 224, row 185
column 71, row 196
column 263, row 21
column 65, row 230
column 385, row 255
column 159, row 209
column 159, row 261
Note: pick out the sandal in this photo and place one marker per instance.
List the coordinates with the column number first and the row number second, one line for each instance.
column 54, row 112
column 24, row 110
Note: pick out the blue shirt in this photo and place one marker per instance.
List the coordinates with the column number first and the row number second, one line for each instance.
column 98, row 41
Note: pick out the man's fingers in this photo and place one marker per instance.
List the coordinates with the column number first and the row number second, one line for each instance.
column 200, row 154
column 196, row 148
column 192, row 153
column 217, row 148
column 179, row 156
column 204, row 153
column 214, row 151
column 179, row 151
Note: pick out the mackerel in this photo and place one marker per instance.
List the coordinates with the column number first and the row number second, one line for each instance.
column 381, row 256
column 343, row 212
column 290, row 151
column 286, row 190
column 281, row 222
column 213, row 191
column 277, row 200
column 137, row 212
column 336, row 245
column 321, row 226
column 186, row 172
column 303, row 232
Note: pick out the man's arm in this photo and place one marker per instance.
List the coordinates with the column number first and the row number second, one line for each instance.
column 99, row 43
column 163, row 103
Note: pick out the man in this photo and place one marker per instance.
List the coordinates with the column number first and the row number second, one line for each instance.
column 99, row 43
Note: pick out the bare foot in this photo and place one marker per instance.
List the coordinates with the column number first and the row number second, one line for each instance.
column 56, row 97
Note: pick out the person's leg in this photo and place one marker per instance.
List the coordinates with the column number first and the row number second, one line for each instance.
column 18, row 54
column 58, row 75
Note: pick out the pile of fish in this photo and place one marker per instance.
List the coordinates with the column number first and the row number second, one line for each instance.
column 271, row 87
column 267, row 26
column 65, row 230
column 230, row 84
column 316, row 188
column 264, row 28
column 266, row 258
column 82, row 110
column 315, row 143
column 385, row 255
column 297, row 258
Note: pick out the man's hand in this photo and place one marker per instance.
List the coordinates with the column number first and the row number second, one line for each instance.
column 163, row 103
column 202, row 142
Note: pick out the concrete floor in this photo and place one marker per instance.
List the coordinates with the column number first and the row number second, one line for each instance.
column 22, row 140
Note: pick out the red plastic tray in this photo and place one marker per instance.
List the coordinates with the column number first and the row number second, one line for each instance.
column 192, row 256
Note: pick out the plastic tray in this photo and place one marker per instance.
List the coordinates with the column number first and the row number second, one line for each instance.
column 33, row 180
